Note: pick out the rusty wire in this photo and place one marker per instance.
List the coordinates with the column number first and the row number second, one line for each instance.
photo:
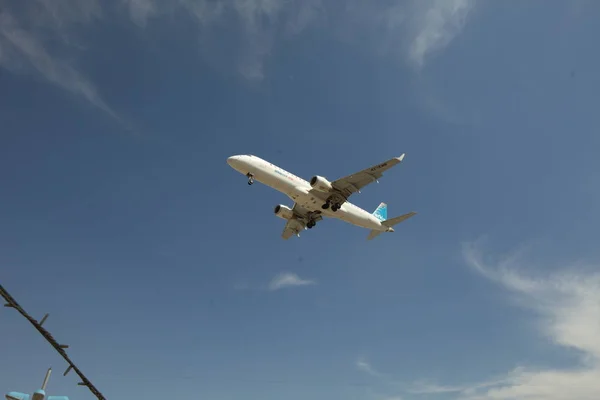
column 60, row 348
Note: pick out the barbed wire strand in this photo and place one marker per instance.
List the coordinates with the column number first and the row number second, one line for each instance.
column 60, row 348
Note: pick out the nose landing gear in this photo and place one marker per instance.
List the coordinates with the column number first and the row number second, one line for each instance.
column 250, row 178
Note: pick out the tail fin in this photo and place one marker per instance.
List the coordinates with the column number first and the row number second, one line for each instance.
column 381, row 212
column 46, row 379
column 390, row 223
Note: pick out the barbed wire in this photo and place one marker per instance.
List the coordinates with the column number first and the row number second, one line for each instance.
column 60, row 348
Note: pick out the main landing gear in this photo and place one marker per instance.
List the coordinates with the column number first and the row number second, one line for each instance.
column 250, row 178
column 312, row 218
column 334, row 206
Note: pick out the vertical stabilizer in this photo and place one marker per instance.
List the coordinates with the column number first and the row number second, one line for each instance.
column 46, row 379
column 381, row 212
column 41, row 393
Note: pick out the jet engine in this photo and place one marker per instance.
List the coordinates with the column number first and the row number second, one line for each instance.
column 321, row 184
column 283, row 211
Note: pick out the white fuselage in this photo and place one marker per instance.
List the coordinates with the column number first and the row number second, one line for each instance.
column 301, row 192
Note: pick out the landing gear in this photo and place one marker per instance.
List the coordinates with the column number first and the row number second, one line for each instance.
column 310, row 224
column 250, row 178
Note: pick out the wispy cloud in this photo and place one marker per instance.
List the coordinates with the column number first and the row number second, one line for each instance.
column 429, row 388
column 415, row 27
column 141, row 10
column 568, row 307
column 288, row 279
column 24, row 38
column 280, row 281
column 43, row 36
column 437, row 23
column 432, row 388
column 365, row 366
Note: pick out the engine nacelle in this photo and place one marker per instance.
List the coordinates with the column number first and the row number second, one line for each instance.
column 283, row 211
column 321, row 184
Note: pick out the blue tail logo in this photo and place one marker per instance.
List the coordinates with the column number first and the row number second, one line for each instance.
column 381, row 212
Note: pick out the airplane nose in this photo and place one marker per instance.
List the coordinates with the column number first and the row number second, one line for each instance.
column 232, row 160
column 235, row 162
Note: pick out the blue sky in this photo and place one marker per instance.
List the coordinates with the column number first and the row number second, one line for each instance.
column 166, row 273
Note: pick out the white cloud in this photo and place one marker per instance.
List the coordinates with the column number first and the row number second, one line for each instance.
column 141, row 10
column 288, row 279
column 42, row 36
column 437, row 22
column 568, row 307
column 432, row 388
column 366, row 367
column 568, row 302
column 429, row 25
column 261, row 24
column 24, row 42
column 424, row 387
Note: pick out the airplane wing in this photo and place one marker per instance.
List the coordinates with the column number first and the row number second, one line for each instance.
column 350, row 184
column 17, row 396
column 57, row 398
column 298, row 222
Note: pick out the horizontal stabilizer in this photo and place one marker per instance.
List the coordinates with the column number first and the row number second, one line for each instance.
column 57, row 398
column 390, row 223
column 17, row 396
column 394, row 221
column 373, row 234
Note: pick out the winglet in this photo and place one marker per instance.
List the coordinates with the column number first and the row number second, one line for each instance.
column 401, row 157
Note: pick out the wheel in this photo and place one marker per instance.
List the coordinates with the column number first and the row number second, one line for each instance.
column 334, row 207
column 325, row 206
column 310, row 224
column 250, row 181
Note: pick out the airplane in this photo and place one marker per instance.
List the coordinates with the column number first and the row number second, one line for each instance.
column 319, row 197
column 38, row 394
